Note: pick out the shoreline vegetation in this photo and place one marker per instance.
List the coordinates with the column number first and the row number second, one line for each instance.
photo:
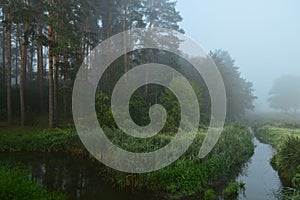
column 14, row 184
column 187, row 176
column 285, row 139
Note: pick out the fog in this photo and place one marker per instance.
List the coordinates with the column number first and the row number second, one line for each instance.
column 262, row 37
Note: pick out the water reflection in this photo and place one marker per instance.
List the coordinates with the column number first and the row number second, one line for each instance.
column 261, row 180
column 77, row 177
column 81, row 179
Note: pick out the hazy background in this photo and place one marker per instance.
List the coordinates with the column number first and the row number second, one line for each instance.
column 262, row 36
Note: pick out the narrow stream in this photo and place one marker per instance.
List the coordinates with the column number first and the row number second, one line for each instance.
column 80, row 179
column 261, row 180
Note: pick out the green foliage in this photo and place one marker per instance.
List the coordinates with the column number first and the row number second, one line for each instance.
column 184, row 177
column 139, row 109
column 188, row 175
column 239, row 92
column 103, row 110
column 276, row 134
column 210, row 194
column 14, row 185
column 169, row 101
column 232, row 190
column 287, row 159
column 56, row 140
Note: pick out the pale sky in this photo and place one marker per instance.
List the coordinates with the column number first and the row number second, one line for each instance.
column 263, row 36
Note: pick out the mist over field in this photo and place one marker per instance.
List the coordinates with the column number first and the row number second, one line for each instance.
column 261, row 36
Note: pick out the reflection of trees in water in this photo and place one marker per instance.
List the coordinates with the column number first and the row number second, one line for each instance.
column 54, row 174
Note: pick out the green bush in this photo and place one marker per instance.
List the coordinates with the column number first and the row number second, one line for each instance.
column 184, row 177
column 56, row 140
column 189, row 174
column 14, row 185
column 210, row 194
column 231, row 191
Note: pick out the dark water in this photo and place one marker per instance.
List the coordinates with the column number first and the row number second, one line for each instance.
column 81, row 179
column 77, row 177
column 262, row 181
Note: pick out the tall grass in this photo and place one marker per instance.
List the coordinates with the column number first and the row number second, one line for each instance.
column 190, row 174
column 286, row 161
column 185, row 176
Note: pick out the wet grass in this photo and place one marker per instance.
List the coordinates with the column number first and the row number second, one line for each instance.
column 186, row 176
column 285, row 138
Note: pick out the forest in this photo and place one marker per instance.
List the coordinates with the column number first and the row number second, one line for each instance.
column 43, row 45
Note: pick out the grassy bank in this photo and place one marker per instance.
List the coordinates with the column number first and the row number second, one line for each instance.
column 186, row 176
column 286, row 140
column 14, row 185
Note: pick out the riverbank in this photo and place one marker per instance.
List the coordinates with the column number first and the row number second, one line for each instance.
column 286, row 140
column 14, row 185
column 187, row 176
column 260, row 180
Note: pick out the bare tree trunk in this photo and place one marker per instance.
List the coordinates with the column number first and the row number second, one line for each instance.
column 23, row 73
column 3, row 56
column 65, row 86
column 50, row 74
column 17, row 54
column 30, row 67
column 9, row 19
column 3, row 59
column 40, row 70
column 148, row 56
column 55, row 91
column 125, row 37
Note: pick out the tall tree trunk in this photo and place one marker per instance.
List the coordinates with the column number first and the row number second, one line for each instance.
column 23, row 73
column 40, row 69
column 65, row 86
column 55, row 91
column 9, row 19
column 17, row 55
column 124, row 26
column 30, row 63
column 50, row 74
column 148, row 57
column 3, row 56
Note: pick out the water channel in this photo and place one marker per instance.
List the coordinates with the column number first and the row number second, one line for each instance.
column 81, row 179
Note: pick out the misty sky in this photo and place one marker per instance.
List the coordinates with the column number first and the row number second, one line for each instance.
column 261, row 35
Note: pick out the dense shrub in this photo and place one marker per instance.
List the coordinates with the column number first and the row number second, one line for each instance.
column 189, row 174
column 210, row 194
column 231, row 191
column 185, row 176
column 57, row 140
column 14, row 185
